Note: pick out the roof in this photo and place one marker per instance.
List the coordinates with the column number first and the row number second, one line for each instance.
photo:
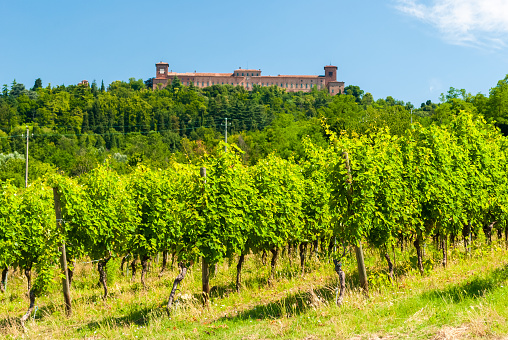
column 295, row 76
column 195, row 74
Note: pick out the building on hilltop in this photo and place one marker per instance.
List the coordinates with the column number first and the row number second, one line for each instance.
column 250, row 77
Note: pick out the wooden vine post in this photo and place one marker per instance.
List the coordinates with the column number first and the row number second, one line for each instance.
column 362, row 272
column 63, row 256
column 3, row 282
column 205, row 267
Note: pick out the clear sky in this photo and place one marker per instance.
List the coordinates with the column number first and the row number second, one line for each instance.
column 412, row 50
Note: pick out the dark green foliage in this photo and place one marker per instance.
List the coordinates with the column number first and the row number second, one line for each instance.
column 37, row 84
column 77, row 127
column 354, row 91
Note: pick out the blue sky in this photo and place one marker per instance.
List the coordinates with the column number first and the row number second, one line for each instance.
column 412, row 50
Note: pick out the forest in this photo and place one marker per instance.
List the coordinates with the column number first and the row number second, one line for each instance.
column 74, row 128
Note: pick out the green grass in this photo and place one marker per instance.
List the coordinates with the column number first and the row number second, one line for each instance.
column 468, row 299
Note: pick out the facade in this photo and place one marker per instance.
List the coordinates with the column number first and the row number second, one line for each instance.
column 249, row 77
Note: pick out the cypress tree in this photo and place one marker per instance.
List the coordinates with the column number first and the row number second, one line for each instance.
column 85, row 124
column 37, row 84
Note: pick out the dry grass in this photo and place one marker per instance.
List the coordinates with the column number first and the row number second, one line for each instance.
column 465, row 300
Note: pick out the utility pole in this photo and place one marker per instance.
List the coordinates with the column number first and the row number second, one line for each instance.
column 226, row 134
column 26, row 170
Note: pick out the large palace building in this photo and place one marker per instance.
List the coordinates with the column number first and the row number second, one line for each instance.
column 249, row 78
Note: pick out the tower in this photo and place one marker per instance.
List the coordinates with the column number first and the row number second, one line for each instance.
column 161, row 70
column 330, row 74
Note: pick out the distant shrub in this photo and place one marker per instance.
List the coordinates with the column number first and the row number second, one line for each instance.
column 4, row 158
column 120, row 158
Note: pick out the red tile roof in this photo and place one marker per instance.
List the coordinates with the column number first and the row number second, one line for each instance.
column 295, row 76
column 195, row 74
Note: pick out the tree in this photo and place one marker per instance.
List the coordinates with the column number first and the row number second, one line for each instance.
column 367, row 100
column 343, row 113
column 149, row 83
column 17, row 89
column 37, row 84
column 94, row 87
column 176, row 84
column 498, row 103
column 454, row 93
column 354, row 91
column 136, row 85
column 8, row 116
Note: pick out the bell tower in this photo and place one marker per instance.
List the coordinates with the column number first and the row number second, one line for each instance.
column 330, row 74
column 161, row 70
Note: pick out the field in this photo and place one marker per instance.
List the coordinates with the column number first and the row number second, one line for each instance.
column 468, row 299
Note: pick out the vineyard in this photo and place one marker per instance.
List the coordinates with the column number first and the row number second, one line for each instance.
column 445, row 186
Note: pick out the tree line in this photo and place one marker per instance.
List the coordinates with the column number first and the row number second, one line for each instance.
column 73, row 128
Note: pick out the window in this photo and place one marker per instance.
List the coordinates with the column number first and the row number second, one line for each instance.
column 237, row 74
column 242, row 74
column 257, row 74
column 222, row 83
column 330, row 74
column 301, row 86
column 262, row 84
column 306, row 86
column 202, row 83
column 286, row 84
